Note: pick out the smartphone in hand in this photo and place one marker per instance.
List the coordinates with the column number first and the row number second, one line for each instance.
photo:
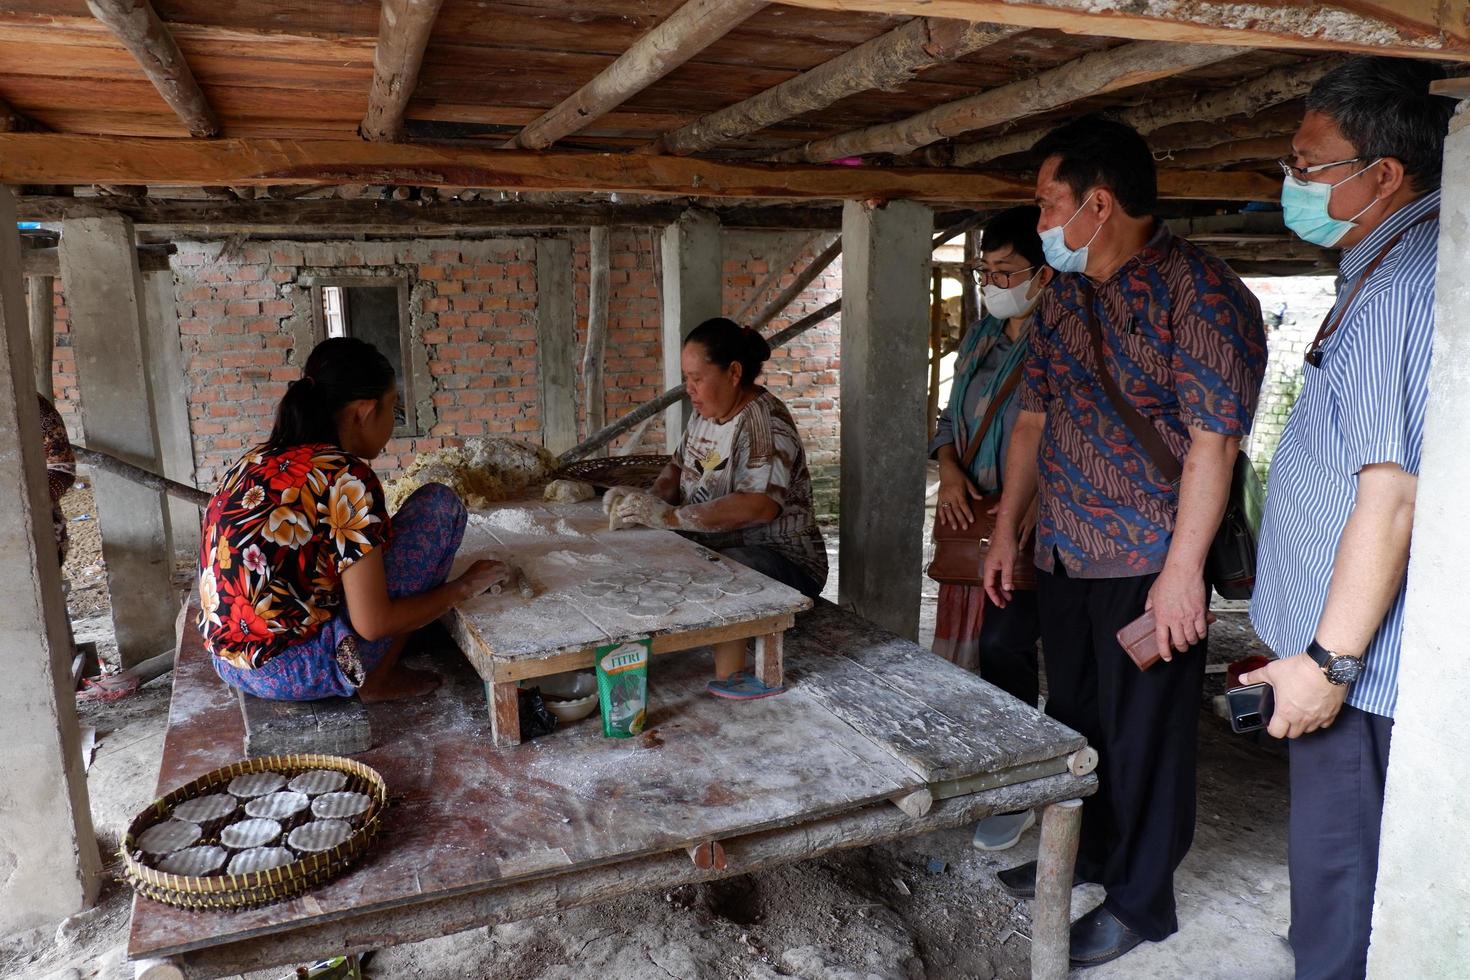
column 1250, row 707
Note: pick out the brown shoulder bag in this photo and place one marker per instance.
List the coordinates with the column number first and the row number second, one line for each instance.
column 959, row 553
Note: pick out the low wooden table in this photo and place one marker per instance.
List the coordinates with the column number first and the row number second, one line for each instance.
column 876, row 739
column 510, row 637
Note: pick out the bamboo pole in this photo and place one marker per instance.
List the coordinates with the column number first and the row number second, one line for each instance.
column 610, row 432
column 936, row 345
column 593, row 387
column 111, row 464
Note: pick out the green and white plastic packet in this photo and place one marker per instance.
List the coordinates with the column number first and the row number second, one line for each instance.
column 622, row 686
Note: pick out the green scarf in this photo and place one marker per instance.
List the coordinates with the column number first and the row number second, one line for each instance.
column 978, row 342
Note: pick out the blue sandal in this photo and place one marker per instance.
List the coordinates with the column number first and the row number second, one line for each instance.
column 741, row 686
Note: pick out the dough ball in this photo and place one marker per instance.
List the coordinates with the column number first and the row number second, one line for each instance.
column 568, row 491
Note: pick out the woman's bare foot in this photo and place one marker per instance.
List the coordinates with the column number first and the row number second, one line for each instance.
column 397, row 684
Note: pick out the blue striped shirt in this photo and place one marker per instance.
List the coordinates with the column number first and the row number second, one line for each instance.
column 1363, row 405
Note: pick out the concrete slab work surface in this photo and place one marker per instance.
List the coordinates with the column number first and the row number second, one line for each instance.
column 478, row 835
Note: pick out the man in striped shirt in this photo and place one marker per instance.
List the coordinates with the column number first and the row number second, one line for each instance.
column 1329, row 597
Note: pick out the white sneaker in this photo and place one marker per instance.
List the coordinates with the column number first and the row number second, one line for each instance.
column 1001, row 830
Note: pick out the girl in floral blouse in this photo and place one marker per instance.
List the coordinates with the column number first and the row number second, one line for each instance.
column 307, row 588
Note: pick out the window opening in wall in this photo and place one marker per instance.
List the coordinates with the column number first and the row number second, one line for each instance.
column 376, row 310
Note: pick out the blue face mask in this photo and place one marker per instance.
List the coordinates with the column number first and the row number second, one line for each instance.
column 1304, row 209
column 1054, row 245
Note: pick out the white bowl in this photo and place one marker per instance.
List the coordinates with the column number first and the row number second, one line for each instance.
column 571, row 697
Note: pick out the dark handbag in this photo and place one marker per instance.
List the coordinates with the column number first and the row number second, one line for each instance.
column 959, row 553
column 1230, row 565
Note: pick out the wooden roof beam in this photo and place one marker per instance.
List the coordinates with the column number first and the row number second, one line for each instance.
column 1422, row 29
column 138, row 27
column 683, row 34
column 67, row 159
column 1089, row 75
column 1272, row 88
column 884, row 63
column 1263, row 150
column 403, row 34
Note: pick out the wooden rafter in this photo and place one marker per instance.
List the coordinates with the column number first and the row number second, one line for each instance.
column 1092, row 74
column 1262, row 149
column 138, row 27
column 685, row 33
column 1272, row 88
column 1388, row 27
column 373, row 217
column 65, row 159
column 403, row 34
column 885, row 62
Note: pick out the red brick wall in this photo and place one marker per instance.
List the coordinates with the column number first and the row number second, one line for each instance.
column 245, row 326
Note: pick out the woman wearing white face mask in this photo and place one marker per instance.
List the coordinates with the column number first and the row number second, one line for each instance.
column 971, row 631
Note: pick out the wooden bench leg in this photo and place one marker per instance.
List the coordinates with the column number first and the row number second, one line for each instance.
column 768, row 668
column 1051, row 909
column 504, row 701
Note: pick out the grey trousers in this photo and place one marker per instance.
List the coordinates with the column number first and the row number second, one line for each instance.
column 1337, row 777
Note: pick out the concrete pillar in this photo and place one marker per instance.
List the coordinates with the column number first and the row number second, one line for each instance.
column 170, row 385
column 104, row 291
column 556, row 343
column 41, row 303
column 1423, row 897
column 693, row 283
column 886, row 256
column 49, row 865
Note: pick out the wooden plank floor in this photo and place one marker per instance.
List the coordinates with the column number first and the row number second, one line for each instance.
column 464, row 815
column 560, row 546
column 943, row 722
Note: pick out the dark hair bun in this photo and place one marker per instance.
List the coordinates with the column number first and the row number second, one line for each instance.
column 726, row 342
column 758, row 351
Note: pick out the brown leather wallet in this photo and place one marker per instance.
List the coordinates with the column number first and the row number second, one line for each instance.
column 1138, row 639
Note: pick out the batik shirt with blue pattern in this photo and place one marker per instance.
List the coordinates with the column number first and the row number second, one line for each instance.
column 1184, row 340
column 1362, row 405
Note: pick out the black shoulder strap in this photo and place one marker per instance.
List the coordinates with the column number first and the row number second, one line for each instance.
column 1148, row 437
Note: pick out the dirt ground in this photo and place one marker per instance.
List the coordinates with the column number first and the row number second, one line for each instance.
column 922, row 909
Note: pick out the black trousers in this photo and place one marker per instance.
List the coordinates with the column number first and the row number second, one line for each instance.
column 1337, row 778
column 1144, row 725
column 1008, row 646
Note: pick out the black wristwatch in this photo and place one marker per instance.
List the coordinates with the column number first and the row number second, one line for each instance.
column 1336, row 667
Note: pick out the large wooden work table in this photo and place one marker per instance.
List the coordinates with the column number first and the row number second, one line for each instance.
column 875, row 739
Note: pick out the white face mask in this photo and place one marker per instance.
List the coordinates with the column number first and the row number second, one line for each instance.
column 1004, row 303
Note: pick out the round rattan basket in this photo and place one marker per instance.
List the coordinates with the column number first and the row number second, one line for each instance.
column 228, row 891
column 615, row 471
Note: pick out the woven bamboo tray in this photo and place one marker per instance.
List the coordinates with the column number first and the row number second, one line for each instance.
column 615, row 471
column 226, row 891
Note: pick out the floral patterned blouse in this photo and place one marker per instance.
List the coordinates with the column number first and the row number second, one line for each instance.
column 277, row 535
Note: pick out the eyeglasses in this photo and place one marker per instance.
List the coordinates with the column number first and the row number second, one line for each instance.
column 1005, row 280
column 1299, row 174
